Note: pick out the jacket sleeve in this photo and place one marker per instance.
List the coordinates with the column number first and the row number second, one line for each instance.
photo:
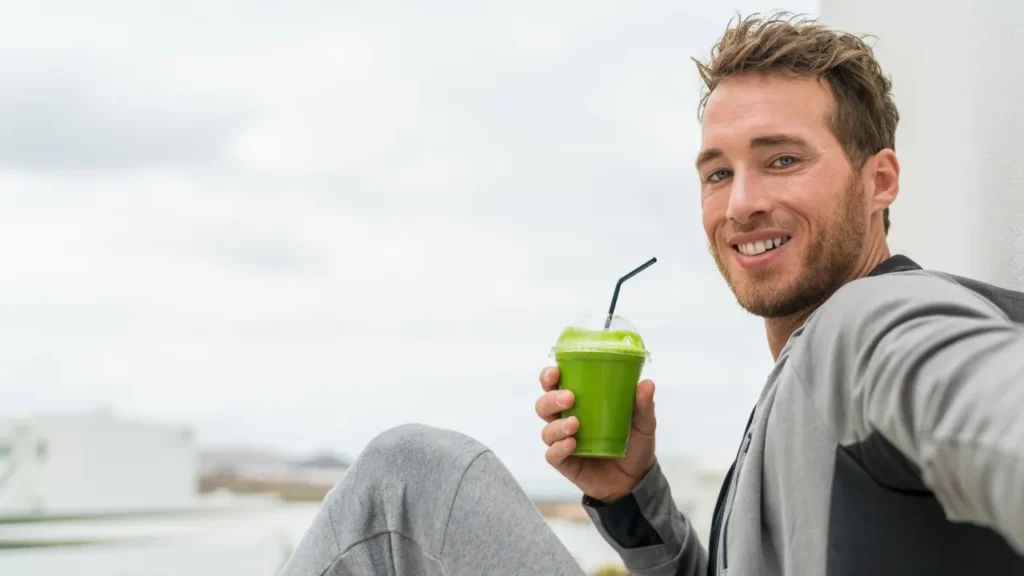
column 938, row 371
column 651, row 535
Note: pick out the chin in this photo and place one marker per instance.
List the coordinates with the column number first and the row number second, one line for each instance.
column 767, row 299
column 767, row 308
column 762, row 284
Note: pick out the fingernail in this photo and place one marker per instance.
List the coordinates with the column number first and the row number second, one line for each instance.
column 565, row 425
column 564, row 399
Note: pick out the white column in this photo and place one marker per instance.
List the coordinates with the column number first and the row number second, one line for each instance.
column 958, row 80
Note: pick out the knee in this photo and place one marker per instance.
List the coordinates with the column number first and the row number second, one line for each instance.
column 412, row 463
column 405, row 479
column 415, row 448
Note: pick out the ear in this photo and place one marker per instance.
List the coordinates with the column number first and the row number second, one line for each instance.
column 882, row 179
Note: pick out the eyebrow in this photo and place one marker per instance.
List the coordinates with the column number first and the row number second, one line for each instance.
column 766, row 141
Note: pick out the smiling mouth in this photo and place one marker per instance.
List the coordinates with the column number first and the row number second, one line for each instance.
column 761, row 246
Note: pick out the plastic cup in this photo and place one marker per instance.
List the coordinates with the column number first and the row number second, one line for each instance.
column 602, row 368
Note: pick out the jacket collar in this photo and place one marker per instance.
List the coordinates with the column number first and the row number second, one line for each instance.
column 895, row 263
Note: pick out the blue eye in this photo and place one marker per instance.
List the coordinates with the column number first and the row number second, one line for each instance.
column 785, row 161
column 719, row 175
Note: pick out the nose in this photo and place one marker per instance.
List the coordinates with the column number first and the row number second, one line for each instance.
column 748, row 199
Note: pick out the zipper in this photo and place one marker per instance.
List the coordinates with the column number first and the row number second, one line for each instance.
column 725, row 527
column 716, row 522
column 726, row 497
column 718, row 517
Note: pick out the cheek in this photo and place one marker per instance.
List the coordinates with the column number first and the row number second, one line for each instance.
column 816, row 194
column 713, row 211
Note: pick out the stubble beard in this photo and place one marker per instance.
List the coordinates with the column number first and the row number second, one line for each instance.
column 828, row 264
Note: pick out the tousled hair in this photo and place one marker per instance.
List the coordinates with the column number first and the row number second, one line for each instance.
column 864, row 116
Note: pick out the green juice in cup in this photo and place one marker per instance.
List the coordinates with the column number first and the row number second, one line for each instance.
column 600, row 361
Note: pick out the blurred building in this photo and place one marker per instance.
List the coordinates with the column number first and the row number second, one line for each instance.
column 259, row 471
column 94, row 463
column 695, row 488
column 247, row 462
column 323, row 469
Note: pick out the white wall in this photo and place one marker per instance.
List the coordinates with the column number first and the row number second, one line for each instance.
column 98, row 464
column 19, row 477
column 958, row 79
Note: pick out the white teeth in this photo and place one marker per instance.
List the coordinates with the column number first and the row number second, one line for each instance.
column 761, row 246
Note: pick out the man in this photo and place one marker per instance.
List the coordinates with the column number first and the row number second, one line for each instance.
column 888, row 438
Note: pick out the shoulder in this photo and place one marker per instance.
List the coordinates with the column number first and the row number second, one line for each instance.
column 870, row 306
column 872, row 326
column 904, row 293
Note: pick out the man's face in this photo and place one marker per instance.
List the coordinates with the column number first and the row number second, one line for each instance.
column 784, row 211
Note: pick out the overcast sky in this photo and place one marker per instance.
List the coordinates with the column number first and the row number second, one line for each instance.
column 298, row 224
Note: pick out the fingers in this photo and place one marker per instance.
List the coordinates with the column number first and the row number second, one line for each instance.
column 557, row 434
column 559, row 452
column 549, row 378
column 559, row 430
column 643, row 408
column 550, row 405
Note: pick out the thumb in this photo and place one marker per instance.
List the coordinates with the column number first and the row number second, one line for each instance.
column 643, row 408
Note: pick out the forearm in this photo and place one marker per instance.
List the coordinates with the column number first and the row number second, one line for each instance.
column 647, row 530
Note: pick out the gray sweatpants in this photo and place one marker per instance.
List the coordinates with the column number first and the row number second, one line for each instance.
column 423, row 501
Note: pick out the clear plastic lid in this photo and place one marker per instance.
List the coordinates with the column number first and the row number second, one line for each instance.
column 596, row 333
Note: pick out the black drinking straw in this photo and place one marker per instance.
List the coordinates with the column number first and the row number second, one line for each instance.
column 615, row 296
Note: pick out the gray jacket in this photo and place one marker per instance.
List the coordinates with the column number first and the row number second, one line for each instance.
column 888, row 439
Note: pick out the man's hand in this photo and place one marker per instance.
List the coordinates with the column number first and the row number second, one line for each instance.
column 606, row 479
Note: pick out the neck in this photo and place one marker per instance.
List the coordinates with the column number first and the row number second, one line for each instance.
column 779, row 330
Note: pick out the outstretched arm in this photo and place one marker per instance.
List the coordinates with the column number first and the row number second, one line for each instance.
column 938, row 371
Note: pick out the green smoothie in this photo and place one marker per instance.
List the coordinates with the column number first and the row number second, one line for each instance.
column 601, row 368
